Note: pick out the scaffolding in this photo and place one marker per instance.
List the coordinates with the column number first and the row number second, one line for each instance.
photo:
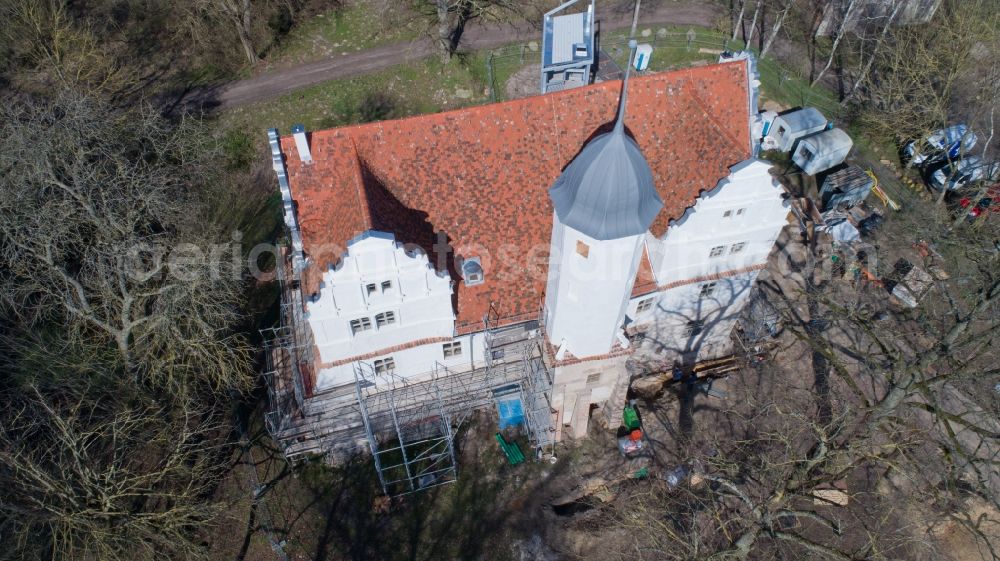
column 410, row 422
column 409, row 431
column 407, row 422
column 287, row 350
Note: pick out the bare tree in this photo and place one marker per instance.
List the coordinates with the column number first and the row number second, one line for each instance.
column 108, row 481
column 450, row 17
column 60, row 50
column 887, row 24
column 894, row 433
column 109, row 229
column 203, row 17
column 845, row 15
column 779, row 21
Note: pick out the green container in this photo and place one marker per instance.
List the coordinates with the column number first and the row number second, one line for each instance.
column 630, row 418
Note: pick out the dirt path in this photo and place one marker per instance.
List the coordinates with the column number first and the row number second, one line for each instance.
column 278, row 82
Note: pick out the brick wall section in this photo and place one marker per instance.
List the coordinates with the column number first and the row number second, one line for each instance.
column 715, row 276
column 387, row 350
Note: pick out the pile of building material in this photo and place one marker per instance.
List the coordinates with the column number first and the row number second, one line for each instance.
column 845, row 188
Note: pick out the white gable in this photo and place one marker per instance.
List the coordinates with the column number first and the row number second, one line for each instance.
column 392, row 293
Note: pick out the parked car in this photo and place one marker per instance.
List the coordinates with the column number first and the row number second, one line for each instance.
column 954, row 175
column 946, row 144
column 988, row 204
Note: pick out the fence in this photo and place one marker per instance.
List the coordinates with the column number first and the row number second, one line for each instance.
column 515, row 70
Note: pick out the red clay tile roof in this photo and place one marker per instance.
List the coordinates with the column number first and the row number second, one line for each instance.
column 481, row 174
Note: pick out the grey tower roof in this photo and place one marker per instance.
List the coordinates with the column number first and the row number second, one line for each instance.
column 607, row 191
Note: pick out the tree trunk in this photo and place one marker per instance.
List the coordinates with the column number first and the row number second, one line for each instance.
column 444, row 31
column 841, row 30
column 778, row 21
column 248, row 46
column 753, row 25
column 241, row 18
column 738, row 23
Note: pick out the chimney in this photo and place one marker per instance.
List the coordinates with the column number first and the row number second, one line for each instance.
column 302, row 143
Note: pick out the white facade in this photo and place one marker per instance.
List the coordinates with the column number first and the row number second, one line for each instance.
column 588, row 288
column 465, row 352
column 705, row 266
column 380, row 295
column 729, row 228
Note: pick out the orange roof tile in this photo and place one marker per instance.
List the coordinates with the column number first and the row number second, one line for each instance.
column 481, row 174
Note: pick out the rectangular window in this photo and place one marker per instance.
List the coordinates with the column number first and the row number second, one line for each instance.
column 385, row 318
column 385, row 366
column 717, row 251
column 707, row 289
column 360, row 324
column 452, row 349
column 370, row 288
column 583, row 249
column 386, row 286
column 594, row 378
column 693, row 328
column 740, row 212
column 727, row 214
column 644, row 305
column 737, row 247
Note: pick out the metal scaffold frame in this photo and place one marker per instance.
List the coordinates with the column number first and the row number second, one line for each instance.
column 408, row 430
column 286, row 347
column 410, row 422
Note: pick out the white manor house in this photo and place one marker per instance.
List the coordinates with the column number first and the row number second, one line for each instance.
column 507, row 255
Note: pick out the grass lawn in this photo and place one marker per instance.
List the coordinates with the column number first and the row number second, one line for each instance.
column 355, row 26
column 401, row 91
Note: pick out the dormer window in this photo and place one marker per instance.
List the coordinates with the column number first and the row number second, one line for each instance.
column 472, row 271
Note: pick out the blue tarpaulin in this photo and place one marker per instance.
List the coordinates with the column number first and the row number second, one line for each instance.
column 511, row 412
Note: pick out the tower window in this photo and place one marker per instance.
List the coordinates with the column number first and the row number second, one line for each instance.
column 384, row 319
column 360, row 324
column 582, row 249
column 452, row 349
column 385, row 366
column 707, row 289
column 737, row 247
column 644, row 305
column 717, row 251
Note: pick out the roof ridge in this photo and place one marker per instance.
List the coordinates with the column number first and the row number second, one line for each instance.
column 366, row 211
